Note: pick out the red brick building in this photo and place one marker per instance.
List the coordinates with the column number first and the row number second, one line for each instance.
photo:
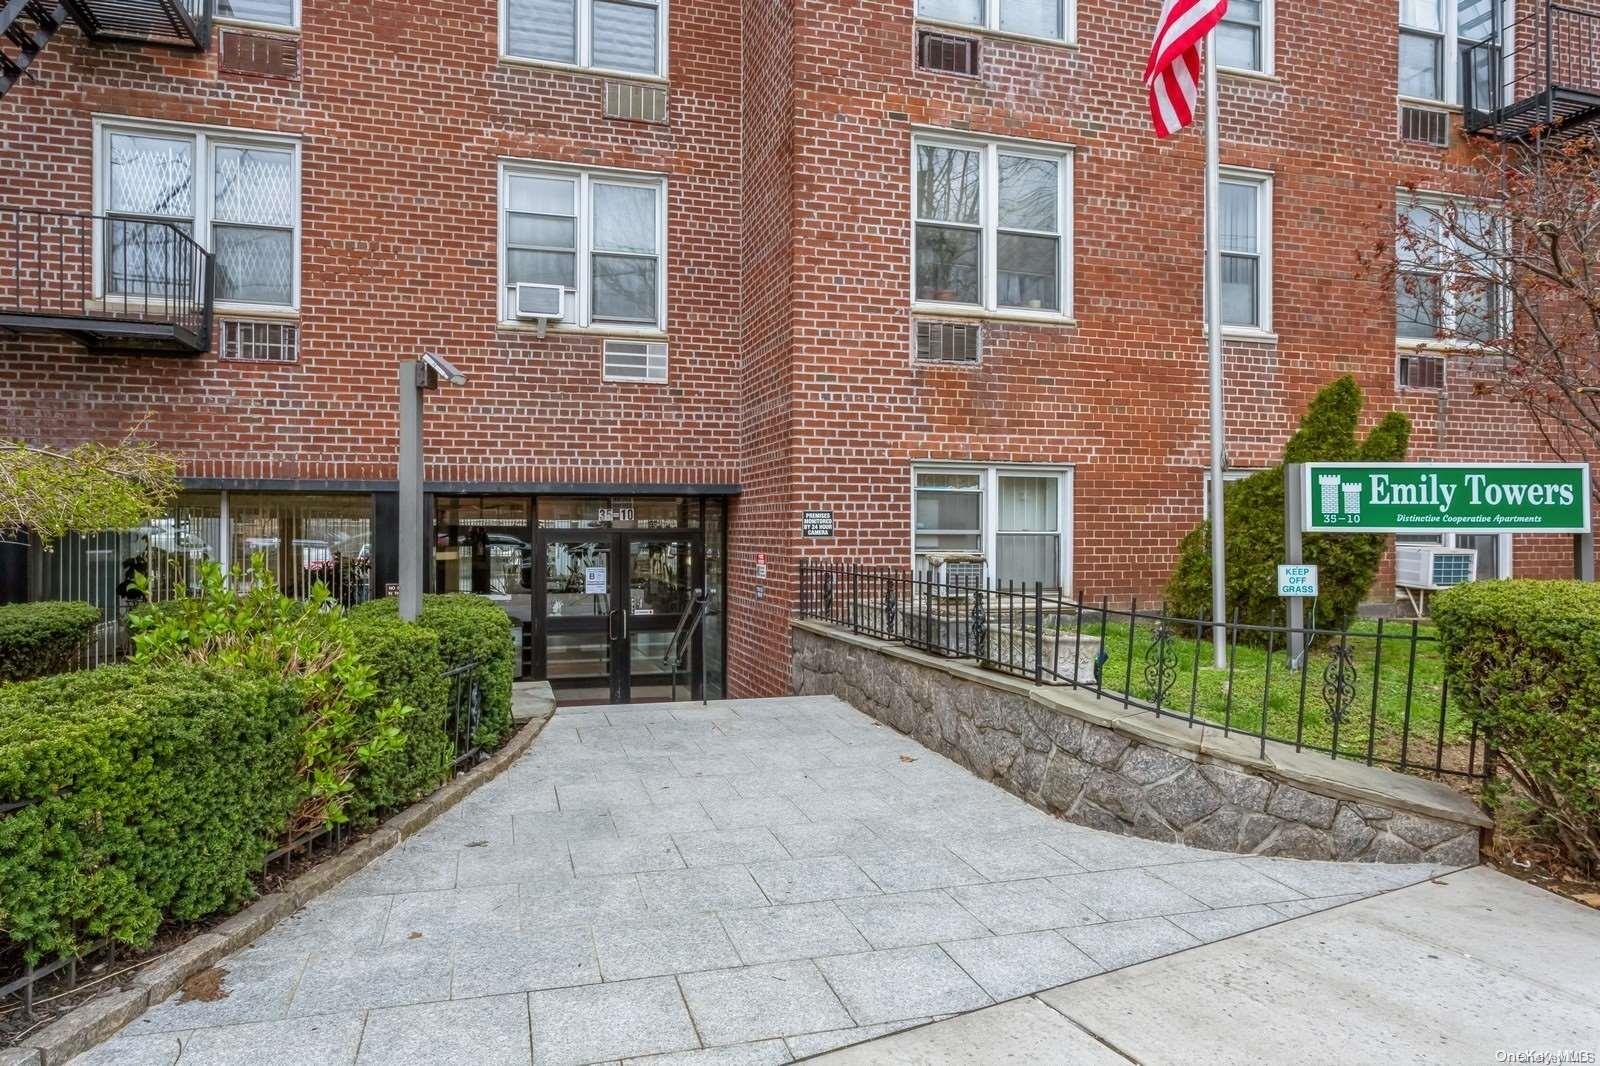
column 929, row 272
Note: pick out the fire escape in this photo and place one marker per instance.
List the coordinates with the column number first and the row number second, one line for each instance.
column 1536, row 77
column 117, row 283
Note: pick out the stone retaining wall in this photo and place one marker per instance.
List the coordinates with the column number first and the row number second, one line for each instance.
column 1098, row 764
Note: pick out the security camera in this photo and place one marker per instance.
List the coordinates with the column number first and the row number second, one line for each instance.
column 444, row 368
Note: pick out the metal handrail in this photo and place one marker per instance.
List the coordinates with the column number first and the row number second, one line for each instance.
column 681, row 644
column 1556, row 45
column 78, row 265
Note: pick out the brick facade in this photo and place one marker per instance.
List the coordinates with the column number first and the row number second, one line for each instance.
column 787, row 158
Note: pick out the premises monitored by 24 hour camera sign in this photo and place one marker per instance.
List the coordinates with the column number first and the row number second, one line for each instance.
column 1445, row 498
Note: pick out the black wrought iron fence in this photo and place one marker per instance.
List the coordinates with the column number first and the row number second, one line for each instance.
column 1375, row 693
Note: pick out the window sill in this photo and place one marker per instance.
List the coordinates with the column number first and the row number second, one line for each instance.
column 233, row 310
column 647, row 333
column 1243, row 335
column 1438, row 347
column 929, row 309
column 246, row 24
column 591, row 72
column 1069, row 43
column 1249, row 75
column 1435, row 105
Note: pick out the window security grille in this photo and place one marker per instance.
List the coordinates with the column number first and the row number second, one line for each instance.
column 636, row 103
column 245, row 341
column 634, row 361
column 1425, row 125
column 947, row 53
column 948, row 342
column 258, row 54
column 1422, row 372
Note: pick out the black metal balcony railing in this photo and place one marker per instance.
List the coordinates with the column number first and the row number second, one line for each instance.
column 1547, row 80
column 176, row 23
column 116, row 284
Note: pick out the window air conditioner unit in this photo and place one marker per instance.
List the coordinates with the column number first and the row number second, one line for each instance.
column 541, row 304
column 1429, row 567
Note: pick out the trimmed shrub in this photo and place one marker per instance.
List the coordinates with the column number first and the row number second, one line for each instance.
column 150, row 794
column 408, row 670
column 1253, row 509
column 471, row 629
column 1523, row 662
column 39, row 639
column 247, row 625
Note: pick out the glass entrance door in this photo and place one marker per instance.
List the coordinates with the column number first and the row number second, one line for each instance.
column 608, row 605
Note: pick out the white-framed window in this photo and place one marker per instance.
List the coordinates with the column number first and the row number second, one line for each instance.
column 992, row 226
column 599, row 234
column 234, row 192
column 1244, row 37
column 1051, row 20
column 1433, row 35
column 1019, row 518
column 278, row 14
column 1245, row 212
column 1446, row 289
column 621, row 36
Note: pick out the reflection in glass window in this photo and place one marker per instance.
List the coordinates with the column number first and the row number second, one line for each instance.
column 989, row 224
column 556, row 222
column 623, row 35
column 1033, row 18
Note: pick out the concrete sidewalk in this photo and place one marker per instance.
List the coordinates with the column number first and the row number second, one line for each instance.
column 749, row 881
column 1473, row 967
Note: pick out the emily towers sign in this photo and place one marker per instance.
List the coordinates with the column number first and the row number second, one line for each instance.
column 1442, row 498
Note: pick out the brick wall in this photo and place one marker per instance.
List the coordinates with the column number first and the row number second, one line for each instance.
column 404, row 112
column 789, row 317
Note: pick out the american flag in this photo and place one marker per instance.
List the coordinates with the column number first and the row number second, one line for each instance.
column 1174, row 68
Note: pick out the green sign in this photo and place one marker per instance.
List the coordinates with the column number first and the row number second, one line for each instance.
column 1442, row 498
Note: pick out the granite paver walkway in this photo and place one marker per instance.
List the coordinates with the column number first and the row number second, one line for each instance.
column 745, row 882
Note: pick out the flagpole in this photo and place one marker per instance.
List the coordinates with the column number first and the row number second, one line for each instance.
column 1213, row 290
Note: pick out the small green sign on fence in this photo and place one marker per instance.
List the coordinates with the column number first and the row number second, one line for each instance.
column 1445, row 498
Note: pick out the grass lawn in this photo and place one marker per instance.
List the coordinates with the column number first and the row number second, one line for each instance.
column 1402, row 681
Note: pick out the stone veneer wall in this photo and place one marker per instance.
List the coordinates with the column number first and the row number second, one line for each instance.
column 1101, row 766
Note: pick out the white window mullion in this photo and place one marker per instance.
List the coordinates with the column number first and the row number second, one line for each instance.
column 585, row 16
column 991, row 522
column 585, row 276
column 989, row 212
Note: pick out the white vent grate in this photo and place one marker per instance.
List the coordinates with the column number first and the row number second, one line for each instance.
column 633, row 102
column 634, row 361
column 948, row 342
column 1425, row 125
column 246, row 341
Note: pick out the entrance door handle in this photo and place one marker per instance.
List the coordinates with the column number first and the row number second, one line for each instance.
column 611, row 625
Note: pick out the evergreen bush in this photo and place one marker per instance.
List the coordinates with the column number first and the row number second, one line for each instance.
column 1253, row 510
column 471, row 629
column 146, row 793
column 407, row 670
column 1523, row 662
column 39, row 639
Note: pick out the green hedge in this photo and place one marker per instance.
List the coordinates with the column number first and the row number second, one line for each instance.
column 1523, row 661
column 150, row 794
column 39, row 639
column 408, row 668
column 471, row 629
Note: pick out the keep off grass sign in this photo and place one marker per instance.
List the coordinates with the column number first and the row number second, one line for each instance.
column 1444, row 498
